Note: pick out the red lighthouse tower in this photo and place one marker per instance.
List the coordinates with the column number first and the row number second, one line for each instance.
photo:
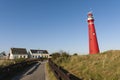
column 93, row 43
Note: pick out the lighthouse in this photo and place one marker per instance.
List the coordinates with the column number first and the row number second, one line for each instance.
column 93, row 43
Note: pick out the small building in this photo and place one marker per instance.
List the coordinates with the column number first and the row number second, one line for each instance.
column 16, row 53
column 39, row 53
column 3, row 55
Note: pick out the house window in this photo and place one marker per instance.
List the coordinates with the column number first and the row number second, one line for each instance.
column 20, row 56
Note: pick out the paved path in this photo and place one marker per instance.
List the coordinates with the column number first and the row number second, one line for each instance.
column 37, row 72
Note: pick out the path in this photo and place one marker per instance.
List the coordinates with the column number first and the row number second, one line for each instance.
column 37, row 72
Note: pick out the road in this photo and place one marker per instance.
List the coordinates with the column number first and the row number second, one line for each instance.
column 36, row 72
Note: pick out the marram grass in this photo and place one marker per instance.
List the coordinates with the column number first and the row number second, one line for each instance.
column 103, row 66
column 50, row 74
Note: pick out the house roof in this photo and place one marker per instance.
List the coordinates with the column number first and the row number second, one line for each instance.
column 19, row 51
column 39, row 51
column 2, row 54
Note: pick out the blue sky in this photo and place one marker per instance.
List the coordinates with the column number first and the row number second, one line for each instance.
column 58, row 24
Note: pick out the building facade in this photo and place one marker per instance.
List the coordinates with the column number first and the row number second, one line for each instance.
column 39, row 53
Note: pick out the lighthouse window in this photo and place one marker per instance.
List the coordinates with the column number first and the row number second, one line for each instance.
column 93, row 33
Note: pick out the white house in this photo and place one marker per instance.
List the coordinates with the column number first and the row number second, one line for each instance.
column 39, row 53
column 16, row 53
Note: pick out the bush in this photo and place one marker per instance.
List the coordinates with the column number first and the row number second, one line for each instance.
column 64, row 54
column 55, row 55
column 75, row 54
column 60, row 54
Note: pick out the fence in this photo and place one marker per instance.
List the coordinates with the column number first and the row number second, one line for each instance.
column 60, row 73
column 8, row 71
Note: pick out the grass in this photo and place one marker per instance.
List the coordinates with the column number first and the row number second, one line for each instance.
column 50, row 74
column 104, row 66
column 5, row 62
column 8, row 62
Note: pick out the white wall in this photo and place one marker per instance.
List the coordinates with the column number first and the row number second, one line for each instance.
column 11, row 55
